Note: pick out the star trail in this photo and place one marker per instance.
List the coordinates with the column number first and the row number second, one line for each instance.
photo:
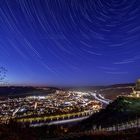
column 70, row 42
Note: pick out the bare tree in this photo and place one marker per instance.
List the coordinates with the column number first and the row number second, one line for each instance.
column 3, row 72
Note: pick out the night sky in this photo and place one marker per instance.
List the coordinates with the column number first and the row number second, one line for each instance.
column 70, row 42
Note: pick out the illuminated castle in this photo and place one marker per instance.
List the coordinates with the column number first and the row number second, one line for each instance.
column 136, row 90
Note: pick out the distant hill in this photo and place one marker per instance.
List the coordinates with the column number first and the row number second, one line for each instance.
column 109, row 91
column 12, row 91
column 113, row 91
column 99, row 87
column 120, row 85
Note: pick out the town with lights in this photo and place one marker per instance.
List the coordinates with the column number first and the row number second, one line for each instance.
column 58, row 106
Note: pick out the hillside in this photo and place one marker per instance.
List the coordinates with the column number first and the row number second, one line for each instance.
column 121, row 110
column 18, row 91
column 112, row 93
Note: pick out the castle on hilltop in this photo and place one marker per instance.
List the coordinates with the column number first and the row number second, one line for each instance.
column 136, row 90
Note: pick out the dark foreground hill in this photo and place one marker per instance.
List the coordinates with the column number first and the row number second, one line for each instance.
column 131, row 134
column 121, row 110
column 15, row 132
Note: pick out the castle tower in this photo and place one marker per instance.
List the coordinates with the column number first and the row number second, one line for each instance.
column 136, row 90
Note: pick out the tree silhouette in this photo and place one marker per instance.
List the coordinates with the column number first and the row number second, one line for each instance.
column 3, row 72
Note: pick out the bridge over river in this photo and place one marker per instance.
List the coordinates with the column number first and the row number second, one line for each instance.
column 57, row 119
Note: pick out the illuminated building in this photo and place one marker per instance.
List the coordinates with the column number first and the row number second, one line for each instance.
column 136, row 90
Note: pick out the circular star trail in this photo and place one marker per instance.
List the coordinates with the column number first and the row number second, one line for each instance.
column 70, row 42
